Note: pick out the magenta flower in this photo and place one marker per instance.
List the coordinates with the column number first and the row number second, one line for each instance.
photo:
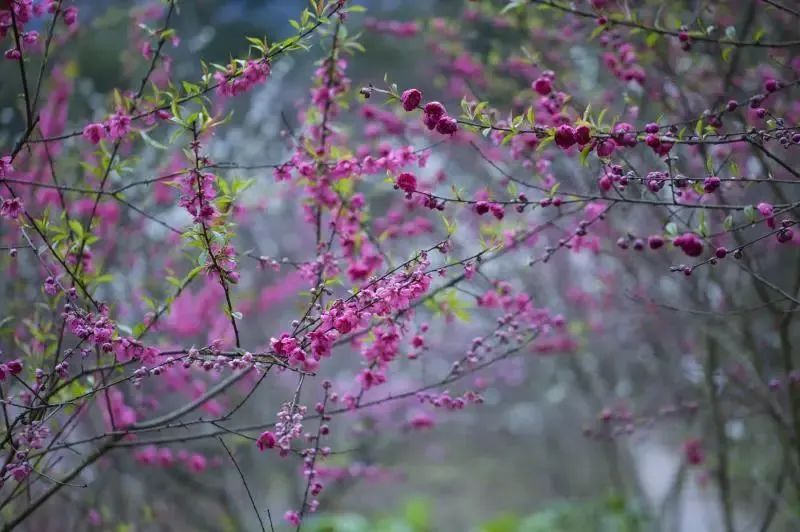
column 11, row 208
column 411, row 99
column 94, row 133
column 407, row 182
column 565, row 136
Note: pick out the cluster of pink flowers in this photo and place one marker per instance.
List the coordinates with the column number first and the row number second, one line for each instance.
column 483, row 207
column 221, row 262
column 448, row 402
column 288, row 347
column 32, row 436
column 434, row 114
column 435, row 117
column 116, row 128
column 18, row 468
column 24, row 12
column 567, row 136
column 236, row 81
column 379, row 300
column 165, row 457
column 520, row 315
column 197, row 193
column 128, row 348
column 98, row 329
column 288, row 428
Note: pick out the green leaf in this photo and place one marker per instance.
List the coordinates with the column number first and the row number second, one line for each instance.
column 449, row 226
column 750, row 213
column 702, row 226
column 544, row 143
column 727, row 224
column 595, row 32
column 512, row 5
column 726, row 54
column 698, row 128
column 76, row 228
column 585, row 154
column 105, row 278
column 601, row 116
column 530, row 115
column 152, row 142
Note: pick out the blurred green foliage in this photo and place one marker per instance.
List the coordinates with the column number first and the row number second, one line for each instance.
column 611, row 513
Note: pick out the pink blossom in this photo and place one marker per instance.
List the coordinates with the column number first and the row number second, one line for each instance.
column 411, row 99
column 407, row 182
column 94, row 133
column 292, row 517
column 267, row 440
column 118, row 125
column 767, row 211
column 11, row 208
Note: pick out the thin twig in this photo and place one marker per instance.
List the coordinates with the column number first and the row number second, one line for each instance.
column 246, row 487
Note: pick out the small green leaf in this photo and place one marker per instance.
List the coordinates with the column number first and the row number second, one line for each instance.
column 152, row 142
column 595, row 32
column 750, row 213
column 726, row 54
column 727, row 224
column 585, row 154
